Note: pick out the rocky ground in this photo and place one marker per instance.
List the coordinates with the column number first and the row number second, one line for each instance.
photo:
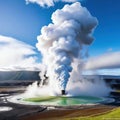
column 32, row 112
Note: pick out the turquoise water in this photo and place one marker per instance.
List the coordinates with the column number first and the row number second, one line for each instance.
column 68, row 101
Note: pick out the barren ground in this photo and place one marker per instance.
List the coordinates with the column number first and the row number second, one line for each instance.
column 30, row 112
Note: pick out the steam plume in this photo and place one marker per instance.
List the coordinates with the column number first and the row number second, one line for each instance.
column 62, row 41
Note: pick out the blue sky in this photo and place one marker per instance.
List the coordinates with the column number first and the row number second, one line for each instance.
column 23, row 22
column 107, row 33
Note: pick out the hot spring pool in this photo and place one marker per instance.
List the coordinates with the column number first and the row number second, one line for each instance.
column 59, row 100
column 67, row 101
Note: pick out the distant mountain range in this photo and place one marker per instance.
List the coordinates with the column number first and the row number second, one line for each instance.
column 34, row 75
column 19, row 75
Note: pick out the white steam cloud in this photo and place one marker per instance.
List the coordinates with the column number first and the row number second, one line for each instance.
column 86, row 87
column 16, row 55
column 48, row 3
column 106, row 61
column 62, row 41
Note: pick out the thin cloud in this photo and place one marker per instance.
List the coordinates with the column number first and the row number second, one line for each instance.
column 16, row 55
column 49, row 3
column 106, row 61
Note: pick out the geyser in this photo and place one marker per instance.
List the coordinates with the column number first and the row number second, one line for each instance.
column 63, row 92
column 62, row 41
column 62, row 45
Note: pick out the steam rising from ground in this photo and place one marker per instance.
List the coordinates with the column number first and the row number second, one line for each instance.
column 63, row 44
column 86, row 87
column 63, row 40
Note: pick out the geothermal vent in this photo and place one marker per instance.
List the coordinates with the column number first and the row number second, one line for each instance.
column 63, row 92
